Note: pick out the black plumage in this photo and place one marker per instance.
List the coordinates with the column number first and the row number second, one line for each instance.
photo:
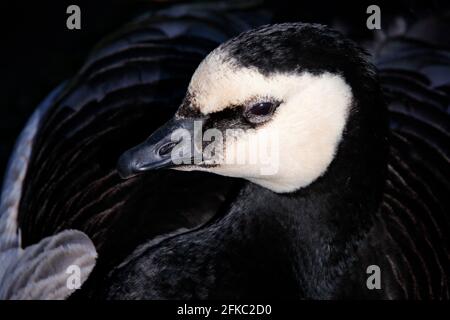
column 161, row 236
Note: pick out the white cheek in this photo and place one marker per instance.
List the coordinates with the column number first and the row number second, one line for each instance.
column 252, row 154
column 310, row 126
column 217, row 84
column 304, row 135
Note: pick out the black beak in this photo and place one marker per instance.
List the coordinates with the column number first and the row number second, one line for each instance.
column 156, row 152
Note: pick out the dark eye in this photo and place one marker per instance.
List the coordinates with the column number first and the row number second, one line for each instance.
column 260, row 112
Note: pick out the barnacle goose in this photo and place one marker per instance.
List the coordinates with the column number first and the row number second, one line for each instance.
column 372, row 192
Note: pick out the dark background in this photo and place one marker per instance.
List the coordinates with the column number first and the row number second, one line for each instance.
column 38, row 51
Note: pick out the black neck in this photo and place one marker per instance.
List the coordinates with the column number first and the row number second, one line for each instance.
column 321, row 227
column 317, row 232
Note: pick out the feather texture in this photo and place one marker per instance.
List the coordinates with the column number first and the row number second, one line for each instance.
column 130, row 84
column 62, row 175
column 414, row 72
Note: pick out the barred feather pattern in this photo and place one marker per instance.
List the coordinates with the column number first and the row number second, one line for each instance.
column 37, row 271
column 132, row 82
column 414, row 71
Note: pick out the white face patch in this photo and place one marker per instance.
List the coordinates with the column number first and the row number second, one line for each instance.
column 308, row 124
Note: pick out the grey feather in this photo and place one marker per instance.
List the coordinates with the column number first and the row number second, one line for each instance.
column 38, row 271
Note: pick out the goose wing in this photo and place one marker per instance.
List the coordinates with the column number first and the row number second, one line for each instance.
column 414, row 64
column 132, row 83
column 39, row 271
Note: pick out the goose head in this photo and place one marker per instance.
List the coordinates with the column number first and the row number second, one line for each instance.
column 276, row 106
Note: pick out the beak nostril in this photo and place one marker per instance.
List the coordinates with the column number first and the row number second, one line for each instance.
column 165, row 149
column 154, row 153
